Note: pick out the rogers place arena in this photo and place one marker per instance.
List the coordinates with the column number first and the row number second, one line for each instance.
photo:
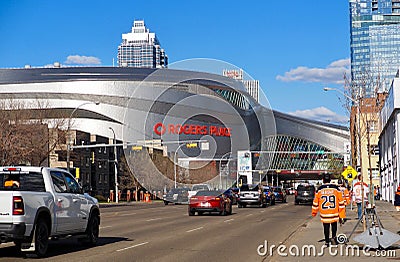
column 199, row 121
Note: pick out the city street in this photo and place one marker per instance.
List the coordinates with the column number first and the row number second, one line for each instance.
column 154, row 232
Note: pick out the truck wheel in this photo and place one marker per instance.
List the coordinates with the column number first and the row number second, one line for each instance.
column 92, row 230
column 41, row 238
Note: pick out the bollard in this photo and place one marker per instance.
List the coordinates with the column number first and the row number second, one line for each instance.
column 112, row 195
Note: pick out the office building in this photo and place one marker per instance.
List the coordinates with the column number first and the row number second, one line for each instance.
column 389, row 148
column 375, row 44
column 141, row 48
column 252, row 86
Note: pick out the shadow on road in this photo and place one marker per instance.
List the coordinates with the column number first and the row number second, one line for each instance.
column 59, row 247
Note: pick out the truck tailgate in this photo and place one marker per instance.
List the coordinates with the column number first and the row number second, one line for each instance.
column 6, row 206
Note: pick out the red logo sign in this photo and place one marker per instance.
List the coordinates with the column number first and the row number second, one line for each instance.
column 161, row 129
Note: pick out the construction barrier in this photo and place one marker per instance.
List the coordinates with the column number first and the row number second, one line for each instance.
column 147, row 197
column 112, row 195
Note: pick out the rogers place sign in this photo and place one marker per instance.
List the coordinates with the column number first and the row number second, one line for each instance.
column 161, row 129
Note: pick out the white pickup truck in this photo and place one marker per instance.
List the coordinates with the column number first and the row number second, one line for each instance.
column 196, row 188
column 39, row 202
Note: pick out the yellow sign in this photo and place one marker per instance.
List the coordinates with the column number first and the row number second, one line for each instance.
column 77, row 172
column 349, row 173
column 191, row 145
column 137, row 148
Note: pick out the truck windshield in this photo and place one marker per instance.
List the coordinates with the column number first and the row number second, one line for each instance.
column 199, row 187
column 29, row 181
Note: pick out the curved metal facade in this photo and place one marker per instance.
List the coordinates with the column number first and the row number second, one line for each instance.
column 129, row 96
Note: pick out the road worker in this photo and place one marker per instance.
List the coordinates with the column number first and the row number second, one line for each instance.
column 328, row 201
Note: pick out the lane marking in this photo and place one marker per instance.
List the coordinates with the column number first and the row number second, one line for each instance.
column 129, row 214
column 105, row 227
column 191, row 230
column 141, row 244
column 153, row 219
column 249, row 215
column 262, row 211
column 229, row 220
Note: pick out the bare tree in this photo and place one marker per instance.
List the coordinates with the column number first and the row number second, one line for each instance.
column 25, row 137
column 363, row 108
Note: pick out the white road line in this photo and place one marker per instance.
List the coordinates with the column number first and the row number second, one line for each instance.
column 249, row 215
column 153, row 219
column 105, row 227
column 141, row 244
column 262, row 211
column 229, row 220
column 191, row 230
column 122, row 215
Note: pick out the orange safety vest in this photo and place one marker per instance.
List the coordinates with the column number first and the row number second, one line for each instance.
column 329, row 203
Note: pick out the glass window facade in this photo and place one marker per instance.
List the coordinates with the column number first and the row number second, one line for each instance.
column 375, row 43
column 140, row 48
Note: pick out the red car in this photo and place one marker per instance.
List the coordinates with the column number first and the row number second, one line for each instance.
column 210, row 201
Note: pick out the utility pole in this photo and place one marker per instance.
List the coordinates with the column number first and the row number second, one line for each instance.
column 115, row 165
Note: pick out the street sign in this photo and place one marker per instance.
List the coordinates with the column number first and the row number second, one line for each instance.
column 349, row 173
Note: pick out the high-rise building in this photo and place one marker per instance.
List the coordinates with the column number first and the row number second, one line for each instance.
column 252, row 86
column 140, row 48
column 375, row 43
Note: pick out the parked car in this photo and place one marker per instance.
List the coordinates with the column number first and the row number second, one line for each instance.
column 251, row 194
column 269, row 194
column 210, row 201
column 304, row 194
column 177, row 196
column 280, row 194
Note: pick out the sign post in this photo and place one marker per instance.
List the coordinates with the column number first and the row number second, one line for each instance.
column 350, row 174
column 244, row 166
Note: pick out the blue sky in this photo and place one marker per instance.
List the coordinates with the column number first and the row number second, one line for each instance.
column 295, row 48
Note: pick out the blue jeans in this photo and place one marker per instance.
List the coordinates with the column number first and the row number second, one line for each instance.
column 359, row 209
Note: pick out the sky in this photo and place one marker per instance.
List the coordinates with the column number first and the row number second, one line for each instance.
column 294, row 48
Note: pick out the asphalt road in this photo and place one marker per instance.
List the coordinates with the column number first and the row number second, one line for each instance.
column 154, row 232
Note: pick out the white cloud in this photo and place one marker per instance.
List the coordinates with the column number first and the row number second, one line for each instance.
column 322, row 114
column 82, row 60
column 333, row 73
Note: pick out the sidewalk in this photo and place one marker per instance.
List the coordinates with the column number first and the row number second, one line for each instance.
column 311, row 233
column 131, row 203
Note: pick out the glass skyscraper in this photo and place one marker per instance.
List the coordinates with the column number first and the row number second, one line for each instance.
column 375, row 43
column 140, row 48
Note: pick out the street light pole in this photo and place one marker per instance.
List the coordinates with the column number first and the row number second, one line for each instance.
column 115, row 165
column 69, row 127
column 200, row 142
column 358, row 104
column 176, row 151
column 220, row 163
